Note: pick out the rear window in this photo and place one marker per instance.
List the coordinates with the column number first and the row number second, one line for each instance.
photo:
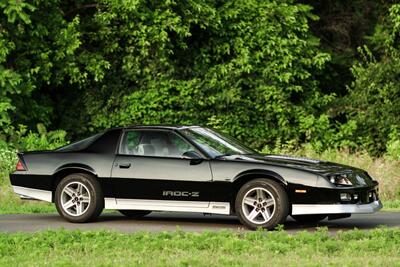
column 79, row 145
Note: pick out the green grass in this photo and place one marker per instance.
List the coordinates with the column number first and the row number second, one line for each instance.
column 224, row 248
column 391, row 205
column 10, row 203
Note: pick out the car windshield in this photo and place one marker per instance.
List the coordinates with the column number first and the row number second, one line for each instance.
column 216, row 144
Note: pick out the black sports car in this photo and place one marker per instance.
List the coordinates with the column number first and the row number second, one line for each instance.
column 141, row 169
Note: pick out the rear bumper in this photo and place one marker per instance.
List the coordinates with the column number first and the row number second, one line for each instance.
column 304, row 209
column 31, row 193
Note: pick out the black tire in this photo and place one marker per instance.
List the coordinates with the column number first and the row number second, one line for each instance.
column 275, row 190
column 135, row 214
column 96, row 203
column 309, row 219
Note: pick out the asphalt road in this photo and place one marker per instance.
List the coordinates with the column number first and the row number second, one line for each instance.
column 170, row 221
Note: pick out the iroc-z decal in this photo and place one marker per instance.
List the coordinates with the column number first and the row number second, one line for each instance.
column 180, row 194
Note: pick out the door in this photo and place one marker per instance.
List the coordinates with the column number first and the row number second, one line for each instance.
column 159, row 165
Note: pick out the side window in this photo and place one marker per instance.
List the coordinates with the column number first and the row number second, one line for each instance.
column 180, row 145
column 130, row 142
column 155, row 143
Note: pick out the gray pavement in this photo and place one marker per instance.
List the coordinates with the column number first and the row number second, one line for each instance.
column 170, row 221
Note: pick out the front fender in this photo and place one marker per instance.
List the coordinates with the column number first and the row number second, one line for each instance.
column 259, row 173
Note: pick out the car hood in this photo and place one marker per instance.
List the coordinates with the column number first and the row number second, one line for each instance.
column 357, row 176
column 312, row 165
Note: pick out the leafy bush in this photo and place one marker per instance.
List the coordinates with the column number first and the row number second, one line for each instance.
column 40, row 140
column 393, row 146
column 23, row 140
column 373, row 102
column 8, row 159
column 243, row 66
column 248, row 65
column 252, row 68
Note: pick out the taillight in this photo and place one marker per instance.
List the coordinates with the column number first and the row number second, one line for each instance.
column 20, row 166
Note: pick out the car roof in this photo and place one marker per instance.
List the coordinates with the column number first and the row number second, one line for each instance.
column 158, row 127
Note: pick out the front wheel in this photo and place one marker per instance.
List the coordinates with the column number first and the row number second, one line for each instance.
column 79, row 198
column 262, row 203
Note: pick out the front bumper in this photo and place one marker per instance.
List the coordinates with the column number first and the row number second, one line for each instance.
column 304, row 209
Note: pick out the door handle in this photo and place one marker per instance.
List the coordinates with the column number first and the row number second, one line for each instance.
column 125, row 165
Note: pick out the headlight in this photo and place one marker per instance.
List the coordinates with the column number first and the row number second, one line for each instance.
column 339, row 179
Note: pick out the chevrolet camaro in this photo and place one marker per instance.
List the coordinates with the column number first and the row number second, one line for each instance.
column 140, row 169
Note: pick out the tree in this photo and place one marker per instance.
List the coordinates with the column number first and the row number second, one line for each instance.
column 374, row 99
column 244, row 66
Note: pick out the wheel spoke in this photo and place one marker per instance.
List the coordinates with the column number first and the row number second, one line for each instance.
column 68, row 204
column 79, row 189
column 85, row 199
column 250, row 201
column 269, row 203
column 253, row 214
column 260, row 194
column 69, row 191
column 79, row 209
column 266, row 214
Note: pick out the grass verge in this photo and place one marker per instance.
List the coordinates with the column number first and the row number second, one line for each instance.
column 224, row 248
column 10, row 203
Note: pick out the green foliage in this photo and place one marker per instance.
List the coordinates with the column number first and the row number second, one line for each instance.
column 373, row 102
column 247, row 65
column 8, row 159
column 254, row 69
column 393, row 146
column 40, row 140
column 243, row 66
column 223, row 248
column 25, row 140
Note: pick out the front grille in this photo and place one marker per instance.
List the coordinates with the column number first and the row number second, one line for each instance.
column 360, row 197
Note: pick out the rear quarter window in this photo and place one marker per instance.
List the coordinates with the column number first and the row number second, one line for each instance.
column 106, row 144
column 79, row 145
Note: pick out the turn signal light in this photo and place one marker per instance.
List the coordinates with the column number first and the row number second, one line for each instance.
column 20, row 166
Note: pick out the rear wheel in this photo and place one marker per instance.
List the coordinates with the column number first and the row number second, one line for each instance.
column 79, row 198
column 262, row 203
column 312, row 218
column 135, row 214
